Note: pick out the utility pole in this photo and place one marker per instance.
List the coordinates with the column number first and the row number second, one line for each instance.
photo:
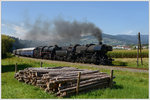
column 139, row 47
column 138, row 52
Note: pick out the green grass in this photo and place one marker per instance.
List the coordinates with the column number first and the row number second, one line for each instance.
column 131, row 62
column 127, row 53
column 11, row 88
column 128, row 84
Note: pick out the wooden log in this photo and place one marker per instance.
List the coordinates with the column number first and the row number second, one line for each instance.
column 75, row 73
column 40, row 84
column 21, row 72
column 40, row 74
column 87, row 88
column 50, row 85
column 26, row 81
column 20, row 80
column 69, row 74
column 46, row 90
column 33, row 83
column 62, row 94
column 84, row 87
column 61, row 78
column 62, row 72
column 96, row 80
column 55, row 70
column 81, row 86
column 75, row 79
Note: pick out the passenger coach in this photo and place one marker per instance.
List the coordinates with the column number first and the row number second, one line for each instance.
column 29, row 52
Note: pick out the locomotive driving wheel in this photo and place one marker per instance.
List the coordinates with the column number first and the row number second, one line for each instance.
column 94, row 59
column 103, row 60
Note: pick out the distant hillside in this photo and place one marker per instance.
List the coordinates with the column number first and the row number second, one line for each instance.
column 107, row 39
column 116, row 39
column 19, row 43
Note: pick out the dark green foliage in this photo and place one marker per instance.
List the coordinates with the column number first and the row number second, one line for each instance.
column 7, row 43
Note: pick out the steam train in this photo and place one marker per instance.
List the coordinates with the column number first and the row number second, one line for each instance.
column 90, row 53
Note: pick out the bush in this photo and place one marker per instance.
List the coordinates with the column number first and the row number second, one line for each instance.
column 7, row 43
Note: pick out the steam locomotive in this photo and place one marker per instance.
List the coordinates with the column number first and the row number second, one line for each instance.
column 90, row 53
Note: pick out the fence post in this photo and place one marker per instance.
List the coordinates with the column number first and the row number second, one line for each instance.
column 139, row 37
column 41, row 64
column 16, row 68
column 111, row 79
column 138, row 52
column 78, row 83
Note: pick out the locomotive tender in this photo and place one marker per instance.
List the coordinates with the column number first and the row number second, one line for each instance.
column 90, row 53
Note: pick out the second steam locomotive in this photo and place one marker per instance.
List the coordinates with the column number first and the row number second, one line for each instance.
column 90, row 53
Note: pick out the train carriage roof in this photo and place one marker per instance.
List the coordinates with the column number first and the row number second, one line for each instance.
column 27, row 48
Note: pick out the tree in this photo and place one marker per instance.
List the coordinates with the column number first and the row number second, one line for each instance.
column 7, row 43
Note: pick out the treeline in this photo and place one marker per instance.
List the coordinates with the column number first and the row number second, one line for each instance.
column 10, row 43
column 7, row 44
column 19, row 43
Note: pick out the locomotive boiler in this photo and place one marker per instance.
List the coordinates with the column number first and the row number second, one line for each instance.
column 90, row 53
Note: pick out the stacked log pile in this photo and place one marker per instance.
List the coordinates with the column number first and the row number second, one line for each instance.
column 63, row 81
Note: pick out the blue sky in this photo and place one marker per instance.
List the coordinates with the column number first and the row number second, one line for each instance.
column 111, row 17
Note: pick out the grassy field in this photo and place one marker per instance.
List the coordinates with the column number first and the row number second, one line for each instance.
column 131, row 62
column 128, row 84
column 127, row 53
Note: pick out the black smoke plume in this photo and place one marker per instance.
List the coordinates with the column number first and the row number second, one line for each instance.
column 61, row 31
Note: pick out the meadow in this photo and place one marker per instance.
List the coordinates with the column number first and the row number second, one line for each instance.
column 131, row 62
column 128, row 84
column 127, row 53
column 128, row 58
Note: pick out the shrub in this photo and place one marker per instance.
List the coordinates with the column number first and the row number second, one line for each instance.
column 7, row 43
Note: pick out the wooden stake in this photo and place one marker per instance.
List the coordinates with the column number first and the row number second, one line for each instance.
column 16, row 68
column 78, row 83
column 138, row 52
column 111, row 79
column 41, row 64
column 140, row 47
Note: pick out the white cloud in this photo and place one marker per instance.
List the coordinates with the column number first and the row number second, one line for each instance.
column 19, row 30
column 14, row 30
column 129, row 32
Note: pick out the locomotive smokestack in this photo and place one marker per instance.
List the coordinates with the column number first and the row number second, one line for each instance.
column 100, row 43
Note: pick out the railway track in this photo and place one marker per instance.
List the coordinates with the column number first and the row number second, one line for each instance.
column 122, row 68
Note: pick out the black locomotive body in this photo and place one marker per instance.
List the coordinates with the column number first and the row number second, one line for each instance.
column 90, row 53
